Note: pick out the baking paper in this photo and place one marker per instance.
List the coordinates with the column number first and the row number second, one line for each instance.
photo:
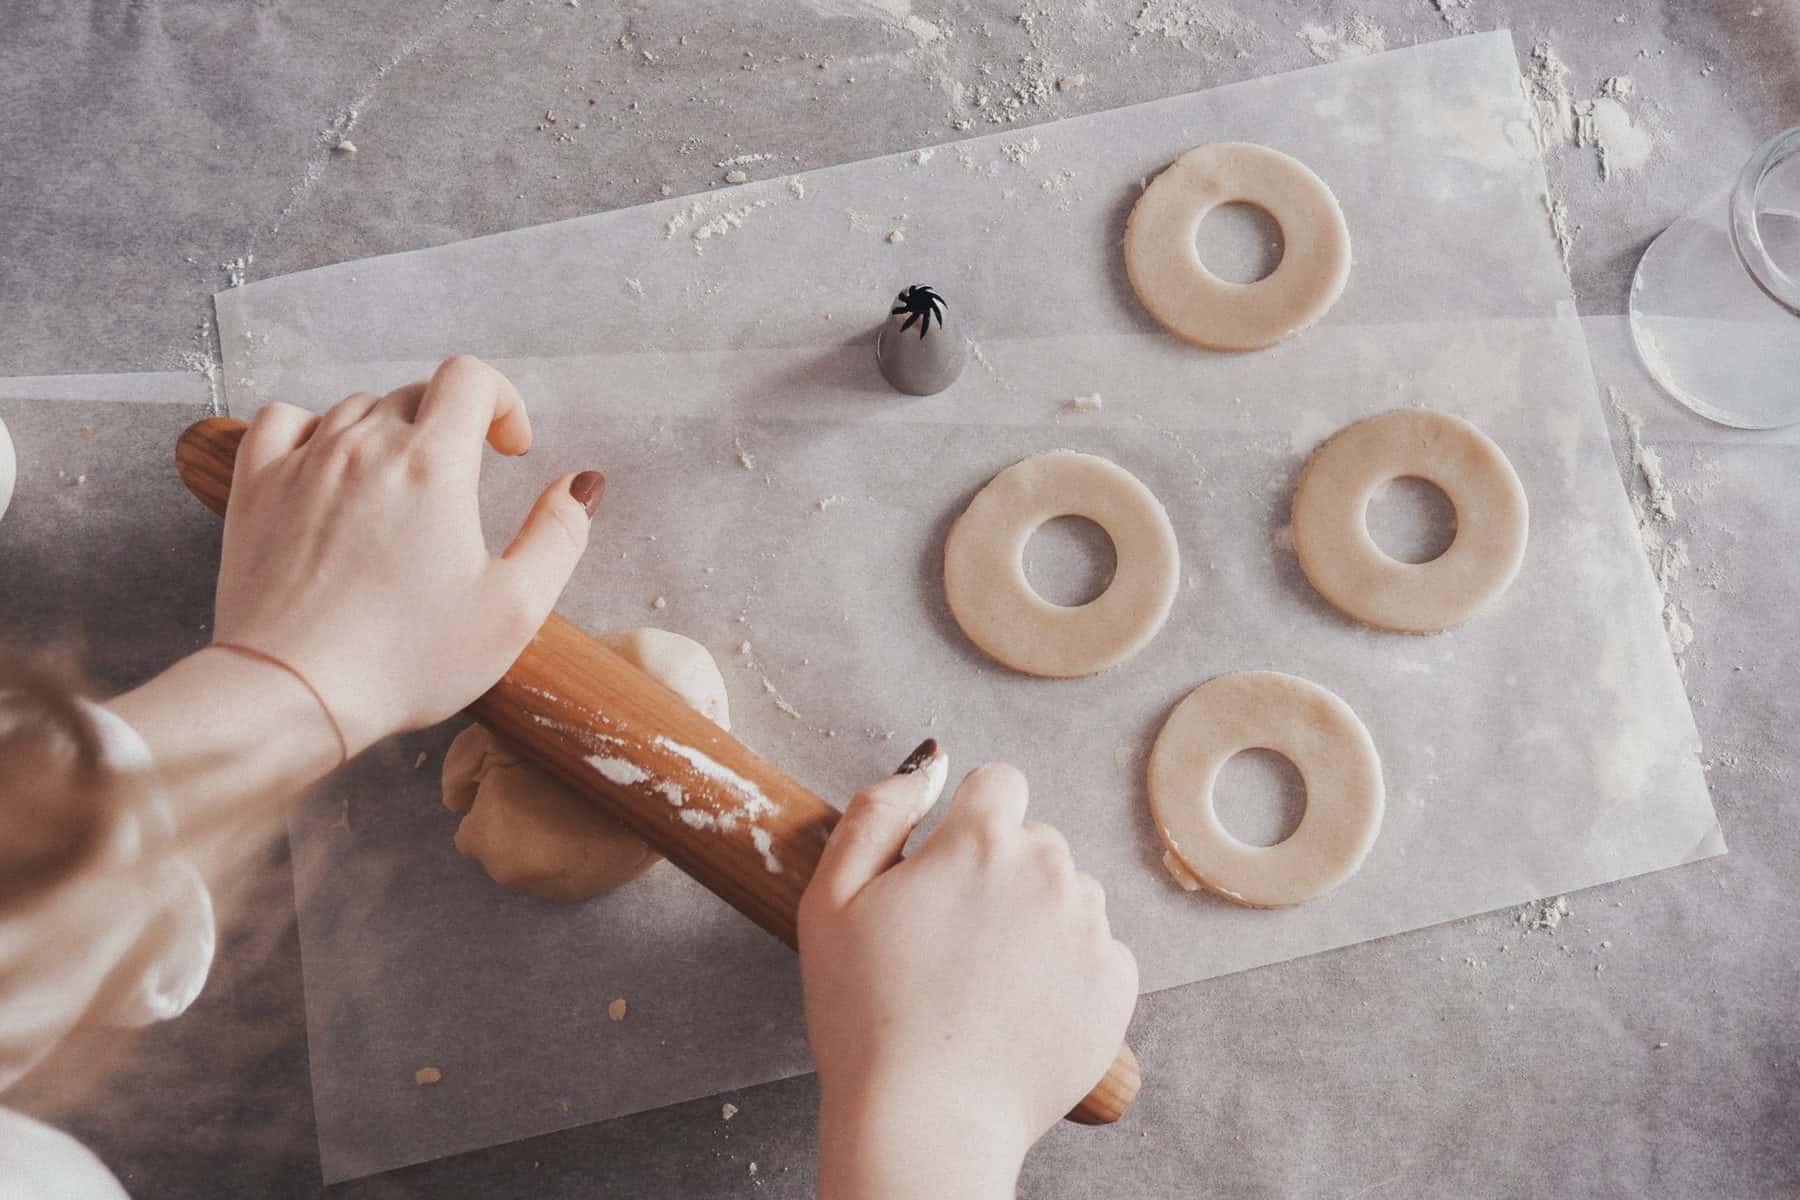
column 768, row 495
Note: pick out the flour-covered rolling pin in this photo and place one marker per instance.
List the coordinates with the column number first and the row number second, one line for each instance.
column 709, row 804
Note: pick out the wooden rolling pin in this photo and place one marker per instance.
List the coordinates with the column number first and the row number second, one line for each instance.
column 731, row 819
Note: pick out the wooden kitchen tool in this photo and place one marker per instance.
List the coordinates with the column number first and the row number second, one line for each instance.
column 734, row 821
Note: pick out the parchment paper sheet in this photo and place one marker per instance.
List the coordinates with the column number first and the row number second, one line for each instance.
column 765, row 483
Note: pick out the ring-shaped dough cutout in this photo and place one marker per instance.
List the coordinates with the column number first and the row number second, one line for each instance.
column 1163, row 259
column 984, row 566
column 1315, row 731
column 1331, row 531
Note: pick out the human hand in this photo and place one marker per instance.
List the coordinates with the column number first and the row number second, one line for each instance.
column 958, row 1002
column 353, row 550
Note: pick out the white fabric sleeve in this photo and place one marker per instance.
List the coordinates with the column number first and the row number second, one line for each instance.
column 41, row 1163
column 127, row 942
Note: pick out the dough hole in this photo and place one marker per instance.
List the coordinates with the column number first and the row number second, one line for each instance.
column 1240, row 243
column 1411, row 519
column 1259, row 797
column 1069, row 561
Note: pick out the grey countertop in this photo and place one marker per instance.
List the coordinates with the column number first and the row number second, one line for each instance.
column 1649, row 1046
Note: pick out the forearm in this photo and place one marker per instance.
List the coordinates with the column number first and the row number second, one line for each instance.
column 879, row 1147
column 227, row 732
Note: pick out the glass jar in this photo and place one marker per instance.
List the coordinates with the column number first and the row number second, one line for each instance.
column 1715, row 303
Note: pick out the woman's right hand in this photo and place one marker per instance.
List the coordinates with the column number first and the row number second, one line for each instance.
column 959, row 1002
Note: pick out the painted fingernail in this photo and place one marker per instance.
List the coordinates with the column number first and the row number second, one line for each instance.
column 587, row 489
column 931, row 767
column 925, row 752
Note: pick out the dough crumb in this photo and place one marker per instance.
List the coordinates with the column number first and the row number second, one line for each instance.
column 921, row 157
column 1089, row 403
column 1545, row 914
column 425, row 1076
column 87, row 431
column 737, row 175
column 796, row 189
column 727, row 1111
column 419, row 761
column 826, row 502
column 660, row 602
column 744, row 648
column 616, row 1010
column 896, row 237
column 343, row 146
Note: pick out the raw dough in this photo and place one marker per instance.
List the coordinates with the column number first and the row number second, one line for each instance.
column 984, row 566
column 531, row 832
column 1163, row 259
column 1331, row 533
column 1316, row 732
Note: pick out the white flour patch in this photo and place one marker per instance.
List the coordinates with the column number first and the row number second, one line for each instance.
column 1544, row 914
column 765, row 846
column 1196, row 24
column 1356, row 37
column 749, row 795
column 620, row 771
column 1456, row 14
column 743, row 160
column 1653, row 505
column 702, row 224
column 1561, row 229
column 1020, row 152
column 1622, row 144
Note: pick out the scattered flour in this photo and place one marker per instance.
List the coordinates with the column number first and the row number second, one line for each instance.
column 737, row 175
column 1020, row 152
column 751, row 797
column 1356, row 37
column 237, row 268
column 765, row 846
column 701, row 224
column 1607, row 125
column 1196, row 24
column 743, row 160
column 1654, row 508
column 1621, row 143
column 621, row 771
column 1544, row 914
column 1456, row 14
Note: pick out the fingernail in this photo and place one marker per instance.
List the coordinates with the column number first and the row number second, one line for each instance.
column 924, row 752
column 587, row 489
column 931, row 766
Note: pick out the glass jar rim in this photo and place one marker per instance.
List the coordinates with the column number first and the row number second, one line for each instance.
column 1746, row 238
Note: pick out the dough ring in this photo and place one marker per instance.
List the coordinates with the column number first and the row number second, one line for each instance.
column 984, row 566
column 1319, row 734
column 1163, row 261
column 1331, row 533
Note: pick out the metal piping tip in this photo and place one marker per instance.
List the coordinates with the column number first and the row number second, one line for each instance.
column 916, row 353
